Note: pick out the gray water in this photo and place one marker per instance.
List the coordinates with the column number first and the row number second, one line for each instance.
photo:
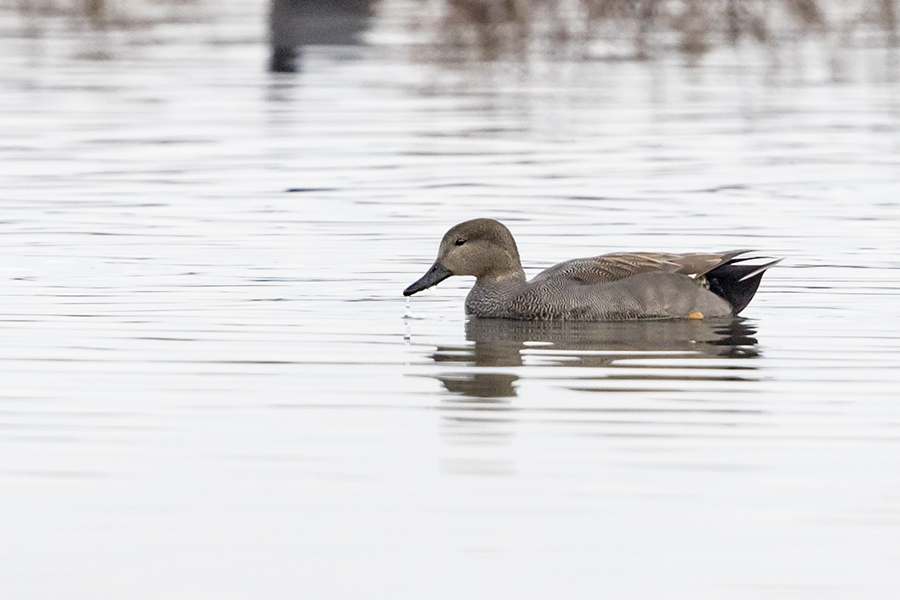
column 212, row 387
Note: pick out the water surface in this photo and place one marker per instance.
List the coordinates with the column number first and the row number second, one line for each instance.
column 212, row 386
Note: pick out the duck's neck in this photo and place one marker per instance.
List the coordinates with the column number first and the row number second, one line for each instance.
column 492, row 295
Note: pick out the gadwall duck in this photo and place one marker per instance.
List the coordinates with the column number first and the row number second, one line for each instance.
column 613, row 287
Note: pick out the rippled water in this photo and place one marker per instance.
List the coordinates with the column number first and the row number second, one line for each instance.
column 212, row 386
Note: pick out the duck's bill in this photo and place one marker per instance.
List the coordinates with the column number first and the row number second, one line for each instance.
column 436, row 274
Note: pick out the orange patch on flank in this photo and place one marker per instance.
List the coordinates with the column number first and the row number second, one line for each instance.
column 695, row 315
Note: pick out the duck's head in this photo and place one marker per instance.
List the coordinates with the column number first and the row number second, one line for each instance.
column 480, row 247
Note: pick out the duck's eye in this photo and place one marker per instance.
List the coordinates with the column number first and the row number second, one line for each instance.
column 460, row 241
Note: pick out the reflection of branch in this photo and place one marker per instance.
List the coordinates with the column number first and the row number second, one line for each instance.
column 807, row 12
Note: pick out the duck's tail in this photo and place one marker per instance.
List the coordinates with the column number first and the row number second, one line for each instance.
column 736, row 283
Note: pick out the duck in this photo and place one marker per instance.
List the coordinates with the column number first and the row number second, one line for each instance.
column 621, row 286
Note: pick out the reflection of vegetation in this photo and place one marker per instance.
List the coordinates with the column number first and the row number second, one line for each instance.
column 629, row 28
column 102, row 14
column 498, row 26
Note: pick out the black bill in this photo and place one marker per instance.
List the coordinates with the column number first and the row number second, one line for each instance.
column 436, row 274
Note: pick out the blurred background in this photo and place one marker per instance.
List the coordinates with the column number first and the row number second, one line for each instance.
column 212, row 386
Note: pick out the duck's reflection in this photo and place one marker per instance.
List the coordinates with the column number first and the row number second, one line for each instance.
column 499, row 343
